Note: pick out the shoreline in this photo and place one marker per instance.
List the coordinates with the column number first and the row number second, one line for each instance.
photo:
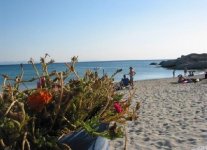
column 171, row 116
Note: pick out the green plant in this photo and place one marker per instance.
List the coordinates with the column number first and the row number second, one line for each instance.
column 39, row 117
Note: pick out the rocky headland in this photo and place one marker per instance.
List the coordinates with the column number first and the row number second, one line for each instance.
column 191, row 61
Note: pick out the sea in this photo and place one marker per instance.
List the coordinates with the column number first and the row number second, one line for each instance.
column 142, row 68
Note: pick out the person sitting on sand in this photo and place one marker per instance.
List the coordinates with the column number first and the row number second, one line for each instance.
column 206, row 75
column 181, row 79
column 124, row 81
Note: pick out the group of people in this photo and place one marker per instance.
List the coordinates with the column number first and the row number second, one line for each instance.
column 182, row 79
column 185, row 72
column 128, row 81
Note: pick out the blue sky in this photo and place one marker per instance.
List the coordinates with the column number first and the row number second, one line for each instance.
column 102, row 29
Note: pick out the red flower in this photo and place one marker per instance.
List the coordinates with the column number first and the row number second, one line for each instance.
column 38, row 99
column 117, row 106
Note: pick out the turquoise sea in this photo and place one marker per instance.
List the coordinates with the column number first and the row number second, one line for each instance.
column 142, row 68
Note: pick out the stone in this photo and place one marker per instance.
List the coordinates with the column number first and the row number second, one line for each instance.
column 191, row 61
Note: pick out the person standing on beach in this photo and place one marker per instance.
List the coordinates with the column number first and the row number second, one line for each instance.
column 173, row 73
column 185, row 71
column 131, row 75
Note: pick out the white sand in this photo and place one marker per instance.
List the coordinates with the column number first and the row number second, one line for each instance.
column 172, row 116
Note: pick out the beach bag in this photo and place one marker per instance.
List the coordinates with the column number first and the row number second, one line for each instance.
column 80, row 140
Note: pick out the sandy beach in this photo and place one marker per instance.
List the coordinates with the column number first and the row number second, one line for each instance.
column 172, row 116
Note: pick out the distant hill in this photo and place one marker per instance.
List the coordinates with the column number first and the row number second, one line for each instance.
column 191, row 61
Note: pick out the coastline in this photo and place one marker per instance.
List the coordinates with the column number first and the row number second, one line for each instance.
column 171, row 116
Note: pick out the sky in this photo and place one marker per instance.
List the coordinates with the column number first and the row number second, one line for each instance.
column 102, row 29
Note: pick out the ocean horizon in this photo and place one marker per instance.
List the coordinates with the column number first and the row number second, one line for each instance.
column 142, row 68
column 83, row 61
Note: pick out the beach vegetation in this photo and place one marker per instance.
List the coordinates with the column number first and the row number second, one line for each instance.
column 38, row 118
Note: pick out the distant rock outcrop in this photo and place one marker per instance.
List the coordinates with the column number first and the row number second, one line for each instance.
column 191, row 61
column 153, row 63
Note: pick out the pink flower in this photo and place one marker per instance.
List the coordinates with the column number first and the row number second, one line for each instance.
column 41, row 82
column 117, row 106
